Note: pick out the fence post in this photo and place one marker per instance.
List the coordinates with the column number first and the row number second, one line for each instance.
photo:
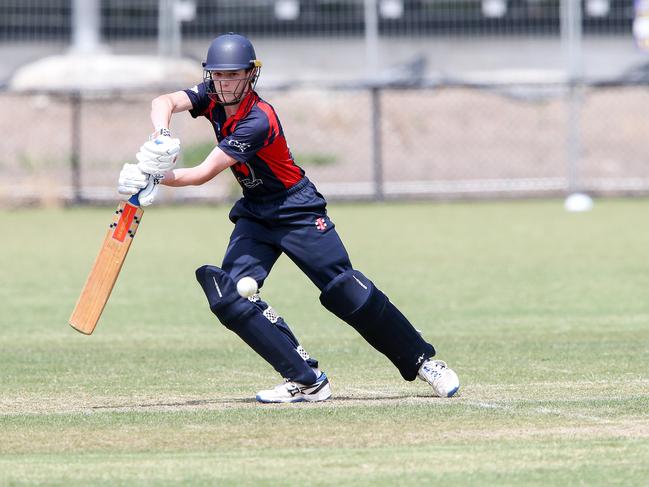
column 75, row 146
column 169, row 30
column 571, row 35
column 377, row 159
column 371, row 20
column 86, row 26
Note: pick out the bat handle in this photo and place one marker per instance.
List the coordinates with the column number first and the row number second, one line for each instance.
column 135, row 200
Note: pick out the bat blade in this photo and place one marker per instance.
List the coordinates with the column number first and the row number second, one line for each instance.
column 109, row 261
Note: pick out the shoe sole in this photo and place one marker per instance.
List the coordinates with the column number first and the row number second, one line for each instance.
column 305, row 398
column 453, row 391
column 266, row 401
column 291, row 401
column 448, row 394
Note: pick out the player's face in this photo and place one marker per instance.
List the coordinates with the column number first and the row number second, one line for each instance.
column 231, row 85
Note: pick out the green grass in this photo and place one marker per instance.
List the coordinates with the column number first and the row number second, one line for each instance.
column 194, row 154
column 544, row 315
column 316, row 159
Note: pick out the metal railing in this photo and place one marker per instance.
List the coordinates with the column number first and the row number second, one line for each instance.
column 438, row 140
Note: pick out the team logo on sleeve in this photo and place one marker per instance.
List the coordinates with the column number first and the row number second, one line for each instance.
column 321, row 224
column 195, row 89
column 240, row 146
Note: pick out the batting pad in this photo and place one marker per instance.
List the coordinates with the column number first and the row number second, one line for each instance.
column 247, row 320
column 353, row 298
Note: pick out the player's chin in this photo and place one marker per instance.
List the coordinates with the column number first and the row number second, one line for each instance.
column 235, row 97
column 229, row 97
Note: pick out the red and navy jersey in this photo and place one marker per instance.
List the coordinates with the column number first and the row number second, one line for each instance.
column 254, row 138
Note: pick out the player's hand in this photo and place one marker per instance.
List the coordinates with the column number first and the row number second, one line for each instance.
column 158, row 156
column 132, row 180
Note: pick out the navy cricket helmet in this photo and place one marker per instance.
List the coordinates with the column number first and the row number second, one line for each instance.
column 231, row 52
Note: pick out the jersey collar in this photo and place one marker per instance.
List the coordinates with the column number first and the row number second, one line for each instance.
column 245, row 106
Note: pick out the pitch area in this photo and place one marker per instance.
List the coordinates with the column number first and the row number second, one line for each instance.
column 543, row 314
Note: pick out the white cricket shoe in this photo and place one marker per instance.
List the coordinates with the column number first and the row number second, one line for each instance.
column 289, row 391
column 443, row 380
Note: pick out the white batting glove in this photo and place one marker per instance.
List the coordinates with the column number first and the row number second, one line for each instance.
column 132, row 180
column 158, row 156
column 148, row 194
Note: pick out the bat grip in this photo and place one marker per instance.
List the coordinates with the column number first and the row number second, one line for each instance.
column 135, row 200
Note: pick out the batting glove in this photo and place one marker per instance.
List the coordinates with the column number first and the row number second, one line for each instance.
column 158, row 155
column 132, row 181
column 148, row 194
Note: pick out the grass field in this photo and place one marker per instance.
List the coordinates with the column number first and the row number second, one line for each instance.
column 544, row 315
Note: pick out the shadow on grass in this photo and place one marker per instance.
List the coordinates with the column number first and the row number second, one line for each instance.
column 349, row 400
column 192, row 402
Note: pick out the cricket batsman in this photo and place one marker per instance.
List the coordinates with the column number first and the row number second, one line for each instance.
column 280, row 212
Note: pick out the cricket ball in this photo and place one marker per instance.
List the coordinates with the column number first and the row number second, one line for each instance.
column 578, row 202
column 246, row 287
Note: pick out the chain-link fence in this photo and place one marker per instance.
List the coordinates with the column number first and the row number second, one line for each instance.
column 378, row 98
column 440, row 141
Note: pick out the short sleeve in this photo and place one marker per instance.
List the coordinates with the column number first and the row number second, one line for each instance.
column 200, row 101
column 249, row 136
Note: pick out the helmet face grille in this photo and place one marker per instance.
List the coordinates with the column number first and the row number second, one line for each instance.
column 231, row 52
column 216, row 90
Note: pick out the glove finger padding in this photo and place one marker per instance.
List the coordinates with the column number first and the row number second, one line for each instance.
column 125, row 192
column 161, row 146
column 148, row 194
column 131, row 175
column 156, row 165
column 123, row 195
column 159, row 155
column 131, row 180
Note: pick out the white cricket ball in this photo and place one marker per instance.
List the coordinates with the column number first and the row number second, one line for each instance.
column 578, row 202
column 246, row 287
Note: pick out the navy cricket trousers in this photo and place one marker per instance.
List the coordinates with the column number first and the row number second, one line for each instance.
column 295, row 223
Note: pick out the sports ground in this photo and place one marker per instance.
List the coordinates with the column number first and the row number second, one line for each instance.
column 544, row 315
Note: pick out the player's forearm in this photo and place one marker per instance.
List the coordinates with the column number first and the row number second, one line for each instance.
column 194, row 176
column 164, row 106
column 161, row 109
column 214, row 163
column 185, row 177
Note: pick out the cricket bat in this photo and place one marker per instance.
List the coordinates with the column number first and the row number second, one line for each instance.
column 96, row 291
